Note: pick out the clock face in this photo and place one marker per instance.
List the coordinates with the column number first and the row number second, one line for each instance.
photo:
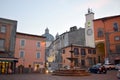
column 89, row 32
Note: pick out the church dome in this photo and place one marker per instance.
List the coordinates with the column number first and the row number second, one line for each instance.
column 48, row 36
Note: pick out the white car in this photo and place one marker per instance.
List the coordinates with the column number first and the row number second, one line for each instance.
column 109, row 66
column 118, row 74
column 117, row 66
column 49, row 70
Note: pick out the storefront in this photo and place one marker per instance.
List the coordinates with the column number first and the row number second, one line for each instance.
column 8, row 65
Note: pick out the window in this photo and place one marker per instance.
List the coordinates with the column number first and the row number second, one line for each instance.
column 38, row 44
column 117, row 38
column 115, row 27
column 76, row 51
column 100, row 33
column 38, row 55
column 83, row 52
column 89, row 51
column 94, row 51
column 22, row 42
column 22, row 54
column 82, row 62
column 3, row 29
column 2, row 43
column 118, row 48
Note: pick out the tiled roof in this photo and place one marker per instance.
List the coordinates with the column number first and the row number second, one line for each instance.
column 109, row 17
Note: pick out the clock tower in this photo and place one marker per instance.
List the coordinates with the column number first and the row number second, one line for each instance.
column 89, row 29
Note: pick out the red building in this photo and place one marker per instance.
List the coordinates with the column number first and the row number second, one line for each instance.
column 107, row 38
column 30, row 50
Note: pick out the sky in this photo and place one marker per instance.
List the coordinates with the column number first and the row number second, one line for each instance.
column 34, row 16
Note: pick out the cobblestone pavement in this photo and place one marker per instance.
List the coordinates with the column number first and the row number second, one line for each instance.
column 111, row 75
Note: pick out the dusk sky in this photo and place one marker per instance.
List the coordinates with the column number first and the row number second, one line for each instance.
column 34, row 16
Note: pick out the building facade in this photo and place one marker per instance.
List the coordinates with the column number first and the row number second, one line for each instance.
column 7, row 45
column 83, row 56
column 30, row 50
column 76, row 36
column 107, row 38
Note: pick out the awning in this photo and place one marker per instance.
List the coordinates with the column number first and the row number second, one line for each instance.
column 9, row 59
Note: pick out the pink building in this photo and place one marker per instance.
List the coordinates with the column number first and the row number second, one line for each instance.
column 30, row 51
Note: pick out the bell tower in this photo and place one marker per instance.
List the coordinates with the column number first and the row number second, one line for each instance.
column 89, row 28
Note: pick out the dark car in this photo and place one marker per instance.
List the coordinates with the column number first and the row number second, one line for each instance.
column 97, row 69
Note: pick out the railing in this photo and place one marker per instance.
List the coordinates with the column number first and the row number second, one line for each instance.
column 114, row 52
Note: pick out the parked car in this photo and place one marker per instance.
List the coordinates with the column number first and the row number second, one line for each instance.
column 97, row 69
column 118, row 74
column 117, row 66
column 109, row 66
column 99, row 64
column 49, row 70
column 67, row 67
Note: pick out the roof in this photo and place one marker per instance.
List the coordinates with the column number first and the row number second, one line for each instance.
column 105, row 18
column 30, row 34
column 8, row 20
column 49, row 37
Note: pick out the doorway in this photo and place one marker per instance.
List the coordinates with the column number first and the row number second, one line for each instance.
column 5, row 67
column 100, row 50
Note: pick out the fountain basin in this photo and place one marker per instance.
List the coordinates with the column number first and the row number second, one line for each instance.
column 71, row 72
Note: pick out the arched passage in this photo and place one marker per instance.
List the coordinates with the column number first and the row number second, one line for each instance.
column 100, row 50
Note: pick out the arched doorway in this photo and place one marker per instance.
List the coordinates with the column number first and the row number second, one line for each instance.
column 20, row 69
column 100, row 50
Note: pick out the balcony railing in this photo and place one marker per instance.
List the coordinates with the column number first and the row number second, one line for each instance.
column 115, row 52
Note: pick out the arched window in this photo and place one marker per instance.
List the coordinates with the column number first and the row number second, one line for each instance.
column 22, row 54
column 38, row 55
column 83, row 53
column 100, row 33
column 22, row 42
column 76, row 51
column 3, row 29
column 38, row 44
column 115, row 27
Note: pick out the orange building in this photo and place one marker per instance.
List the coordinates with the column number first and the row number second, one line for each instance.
column 84, row 56
column 30, row 49
column 107, row 38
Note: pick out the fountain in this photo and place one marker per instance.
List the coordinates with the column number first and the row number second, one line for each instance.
column 72, row 71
